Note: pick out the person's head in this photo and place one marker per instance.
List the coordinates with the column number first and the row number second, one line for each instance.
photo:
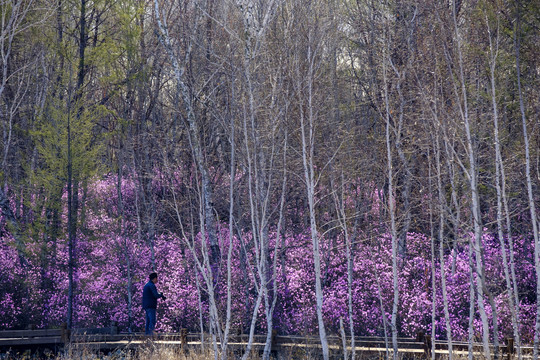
column 153, row 277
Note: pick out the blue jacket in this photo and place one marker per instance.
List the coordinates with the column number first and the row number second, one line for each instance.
column 150, row 296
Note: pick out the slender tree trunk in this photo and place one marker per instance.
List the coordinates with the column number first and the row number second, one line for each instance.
column 509, row 236
column 278, row 246
column 70, row 237
column 437, row 130
column 309, row 177
column 150, row 207
column 229, row 250
column 71, row 226
column 472, row 299
column 530, row 193
column 441, row 247
column 383, row 314
column 204, row 269
column 407, row 176
column 456, row 215
column 475, row 197
column 124, row 244
column 260, row 157
column 138, row 186
column 433, row 270
column 392, row 211
column 339, row 200
column 501, row 196
column 256, row 191
column 73, row 173
column 208, row 268
column 185, row 94
column 199, row 303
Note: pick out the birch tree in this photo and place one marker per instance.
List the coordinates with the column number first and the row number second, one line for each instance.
column 183, row 91
column 207, row 258
column 500, row 184
column 343, row 220
column 530, row 196
column 308, row 51
column 392, row 212
column 261, row 134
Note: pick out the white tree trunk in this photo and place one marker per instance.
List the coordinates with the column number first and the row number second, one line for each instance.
column 231, row 242
column 500, row 183
column 475, row 197
column 532, row 207
column 208, row 267
column 392, row 211
column 441, row 247
column 260, row 159
column 339, row 200
column 308, row 121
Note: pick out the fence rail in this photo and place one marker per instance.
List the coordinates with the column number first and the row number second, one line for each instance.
column 110, row 339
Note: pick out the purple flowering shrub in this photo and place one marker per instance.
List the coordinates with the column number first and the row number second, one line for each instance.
column 10, row 284
column 108, row 246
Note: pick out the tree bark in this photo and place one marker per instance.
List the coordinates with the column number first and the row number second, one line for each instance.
column 472, row 175
column 530, row 193
column 500, row 183
column 309, row 176
column 392, row 211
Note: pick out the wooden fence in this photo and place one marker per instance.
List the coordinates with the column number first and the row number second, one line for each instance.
column 107, row 339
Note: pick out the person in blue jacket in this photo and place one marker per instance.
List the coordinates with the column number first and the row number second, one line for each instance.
column 149, row 303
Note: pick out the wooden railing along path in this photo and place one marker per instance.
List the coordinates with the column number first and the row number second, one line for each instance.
column 107, row 339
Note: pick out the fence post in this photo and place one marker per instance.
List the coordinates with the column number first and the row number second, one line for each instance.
column 183, row 339
column 510, row 347
column 114, row 328
column 426, row 339
column 65, row 334
column 274, row 339
column 427, row 345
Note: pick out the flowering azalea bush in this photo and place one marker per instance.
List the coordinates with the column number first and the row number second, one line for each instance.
column 113, row 262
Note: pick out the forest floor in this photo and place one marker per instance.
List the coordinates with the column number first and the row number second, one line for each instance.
column 153, row 351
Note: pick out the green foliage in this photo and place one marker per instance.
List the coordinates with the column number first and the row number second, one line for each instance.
column 51, row 138
column 112, row 45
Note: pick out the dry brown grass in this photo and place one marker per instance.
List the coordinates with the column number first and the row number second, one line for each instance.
column 151, row 350
column 148, row 351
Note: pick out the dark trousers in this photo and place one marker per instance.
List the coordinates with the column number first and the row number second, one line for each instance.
column 150, row 321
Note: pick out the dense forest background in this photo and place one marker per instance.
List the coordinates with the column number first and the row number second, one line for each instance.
column 326, row 166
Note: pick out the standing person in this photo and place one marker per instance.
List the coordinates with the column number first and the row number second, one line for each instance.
column 149, row 303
